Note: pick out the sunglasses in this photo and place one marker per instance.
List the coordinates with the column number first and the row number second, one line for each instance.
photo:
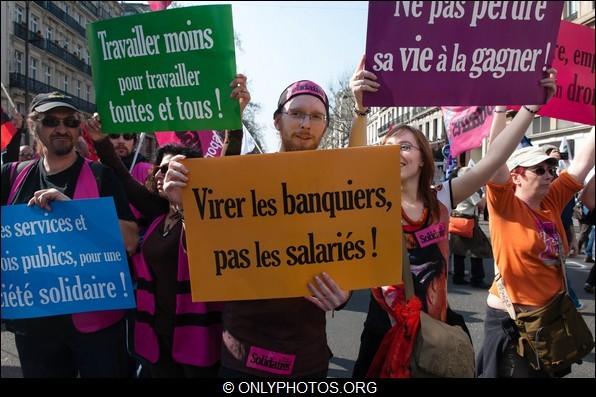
column 127, row 137
column 543, row 170
column 53, row 122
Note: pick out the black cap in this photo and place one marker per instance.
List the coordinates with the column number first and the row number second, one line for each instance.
column 44, row 102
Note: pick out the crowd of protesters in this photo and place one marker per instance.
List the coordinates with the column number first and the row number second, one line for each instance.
column 175, row 337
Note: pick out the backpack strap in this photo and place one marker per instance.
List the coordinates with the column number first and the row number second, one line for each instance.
column 98, row 171
column 18, row 174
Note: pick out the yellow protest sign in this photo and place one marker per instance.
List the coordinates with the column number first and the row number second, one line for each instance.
column 263, row 226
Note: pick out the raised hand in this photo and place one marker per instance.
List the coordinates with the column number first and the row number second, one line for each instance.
column 175, row 180
column 240, row 92
column 93, row 127
column 361, row 81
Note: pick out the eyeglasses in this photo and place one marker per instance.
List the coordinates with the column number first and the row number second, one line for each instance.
column 301, row 116
column 162, row 168
column 407, row 147
column 53, row 122
column 543, row 170
column 127, row 137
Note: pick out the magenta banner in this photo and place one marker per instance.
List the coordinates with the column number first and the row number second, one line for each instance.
column 466, row 126
column 207, row 142
column 442, row 53
column 575, row 60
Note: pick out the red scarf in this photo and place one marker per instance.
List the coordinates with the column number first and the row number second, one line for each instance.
column 392, row 359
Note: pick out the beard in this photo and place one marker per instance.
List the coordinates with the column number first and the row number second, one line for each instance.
column 60, row 147
column 122, row 151
column 295, row 145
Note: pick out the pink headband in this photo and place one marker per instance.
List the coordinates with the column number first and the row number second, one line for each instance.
column 302, row 87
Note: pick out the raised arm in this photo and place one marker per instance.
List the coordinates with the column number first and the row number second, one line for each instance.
column 587, row 195
column 149, row 204
column 362, row 80
column 501, row 147
column 584, row 159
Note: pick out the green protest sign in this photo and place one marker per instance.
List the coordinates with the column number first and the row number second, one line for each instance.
column 165, row 71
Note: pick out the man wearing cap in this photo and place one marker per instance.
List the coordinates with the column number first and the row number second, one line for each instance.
column 525, row 201
column 280, row 337
column 88, row 344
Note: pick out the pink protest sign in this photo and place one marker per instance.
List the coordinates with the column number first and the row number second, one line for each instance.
column 428, row 53
column 207, row 142
column 575, row 61
column 467, row 126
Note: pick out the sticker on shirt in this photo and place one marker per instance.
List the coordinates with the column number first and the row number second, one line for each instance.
column 270, row 361
column 431, row 235
column 548, row 233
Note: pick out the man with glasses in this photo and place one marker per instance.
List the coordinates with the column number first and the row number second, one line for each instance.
column 88, row 344
column 125, row 145
column 280, row 337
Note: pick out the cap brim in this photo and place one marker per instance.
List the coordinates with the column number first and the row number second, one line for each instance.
column 49, row 106
column 533, row 161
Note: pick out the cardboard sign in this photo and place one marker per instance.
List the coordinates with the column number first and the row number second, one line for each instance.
column 165, row 71
column 460, row 52
column 69, row 260
column 263, row 226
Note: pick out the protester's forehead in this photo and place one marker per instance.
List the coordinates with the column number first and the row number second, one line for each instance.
column 308, row 102
column 402, row 135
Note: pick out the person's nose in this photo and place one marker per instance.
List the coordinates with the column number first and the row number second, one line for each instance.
column 305, row 122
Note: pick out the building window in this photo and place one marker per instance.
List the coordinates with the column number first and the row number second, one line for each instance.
column 78, row 88
column 48, row 74
column 571, row 9
column 88, row 92
column 33, row 69
column 49, row 33
column 18, row 14
column 34, row 23
column 18, row 56
column 435, row 129
column 66, row 82
column 79, row 51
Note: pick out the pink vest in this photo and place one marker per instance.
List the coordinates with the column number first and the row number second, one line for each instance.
column 86, row 188
column 197, row 326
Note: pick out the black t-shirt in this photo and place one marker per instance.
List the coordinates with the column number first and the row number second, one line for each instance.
column 65, row 182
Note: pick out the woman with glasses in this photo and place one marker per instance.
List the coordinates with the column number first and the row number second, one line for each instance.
column 525, row 199
column 178, row 338
column 425, row 211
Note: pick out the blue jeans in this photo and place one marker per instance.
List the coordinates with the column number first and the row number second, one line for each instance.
column 591, row 243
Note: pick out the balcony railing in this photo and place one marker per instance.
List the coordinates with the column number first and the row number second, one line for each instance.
column 37, row 40
column 33, row 86
column 89, row 6
column 64, row 17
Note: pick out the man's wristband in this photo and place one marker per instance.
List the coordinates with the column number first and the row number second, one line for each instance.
column 361, row 114
column 530, row 110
